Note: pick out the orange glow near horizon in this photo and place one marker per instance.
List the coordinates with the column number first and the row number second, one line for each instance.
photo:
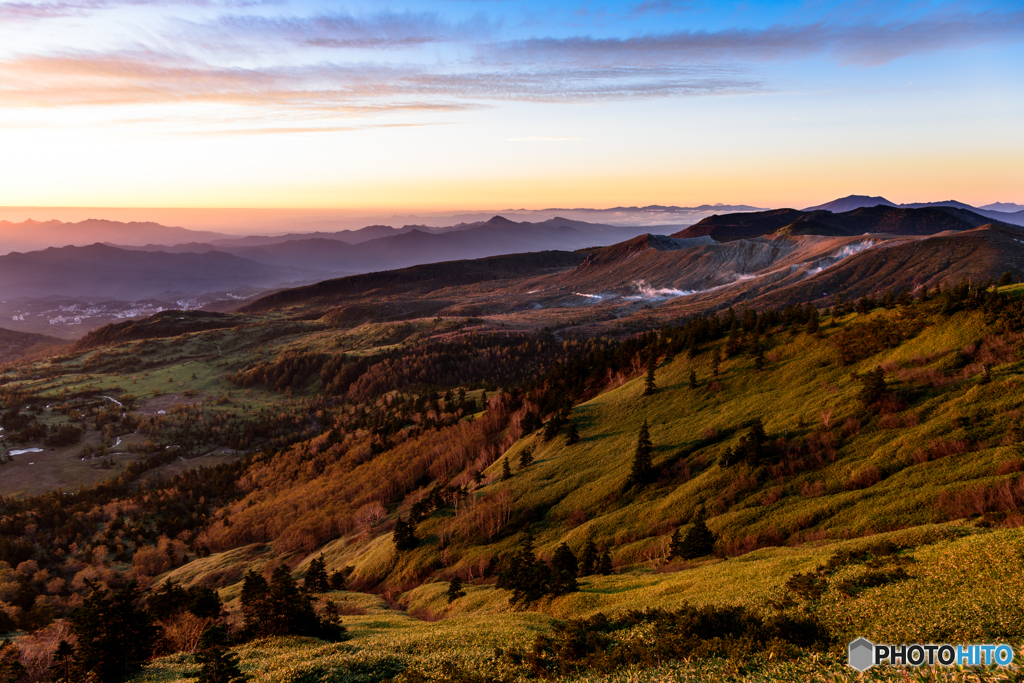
column 796, row 184
column 428, row 106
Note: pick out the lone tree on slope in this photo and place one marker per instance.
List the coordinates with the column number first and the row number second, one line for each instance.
column 572, row 435
column 649, row 385
column 699, row 540
column 455, row 590
column 643, row 466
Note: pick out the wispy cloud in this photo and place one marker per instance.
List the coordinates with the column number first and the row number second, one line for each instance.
column 544, row 139
column 338, row 90
column 35, row 11
column 378, row 31
column 660, row 7
column 309, row 72
column 867, row 44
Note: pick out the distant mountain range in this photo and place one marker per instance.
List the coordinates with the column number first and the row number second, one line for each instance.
column 876, row 219
column 1006, row 213
column 188, row 269
column 99, row 270
column 1003, row 206
column 751, row 259
column 32, row 235
column 381, row 247
column 139, row 268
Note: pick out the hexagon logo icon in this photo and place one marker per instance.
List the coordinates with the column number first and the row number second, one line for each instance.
column 862, row 654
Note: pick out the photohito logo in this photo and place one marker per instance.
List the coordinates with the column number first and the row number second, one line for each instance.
column 863, row 654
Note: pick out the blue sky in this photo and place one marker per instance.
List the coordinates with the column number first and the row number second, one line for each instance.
column 480, row 103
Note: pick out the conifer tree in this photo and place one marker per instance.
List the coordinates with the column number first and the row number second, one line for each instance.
column 563, row 571
column 693, row 379
column 555, row 424
column 338, row 580
column 649, row 384
column 758, row 357
column 455, row 589
column 63, row 655
column 734, row 342
column 572, row 435
column 716, row 362
column 316, row 576
column 526, row 457
column 604, row 564
column 589, row 558
column 219, row 665
column 643, row 467
column 675, row 545
column 404, row 536
column 752, row 446
column 115, row 637
column 699, row 540
column 813, row 323
column 874, row 387
column 256, row 609
column 506, row 471
column 524, row 575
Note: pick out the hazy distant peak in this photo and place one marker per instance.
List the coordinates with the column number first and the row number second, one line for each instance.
column 1005, row 207
column 500, row 221
column 853, row 201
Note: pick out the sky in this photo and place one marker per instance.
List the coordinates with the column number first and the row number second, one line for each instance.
column 477, row 104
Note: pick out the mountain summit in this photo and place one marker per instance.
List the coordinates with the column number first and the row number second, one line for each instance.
column 854, row 201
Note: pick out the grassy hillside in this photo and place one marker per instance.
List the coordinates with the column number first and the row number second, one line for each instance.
column 841, row 471
column 945, row 436
column 17, row 345
column 844, row 459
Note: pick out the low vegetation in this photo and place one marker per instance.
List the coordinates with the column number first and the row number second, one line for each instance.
column 733, row 495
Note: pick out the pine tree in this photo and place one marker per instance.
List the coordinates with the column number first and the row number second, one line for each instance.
column 506, row 471
column 693, row 379
column 404, row 536
column 572, row 435
column 256, row 609
column 555, row 424
column 734, row 342
column 563, row 571
column 526, row 457
column 589, row 559
column 874, row 387
column 455, row 589
column 753, row 445
column 699, row 540
column 338, row 580
column 316, row 576
column 524, row 575
column 649, row 385
column 115, row 637
column 813, row 323
column 643, row 467
column 219, row 665
column 63, row 655
column 716, row 362
column 604, row 564
column 675, row 545
column 758, row 357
